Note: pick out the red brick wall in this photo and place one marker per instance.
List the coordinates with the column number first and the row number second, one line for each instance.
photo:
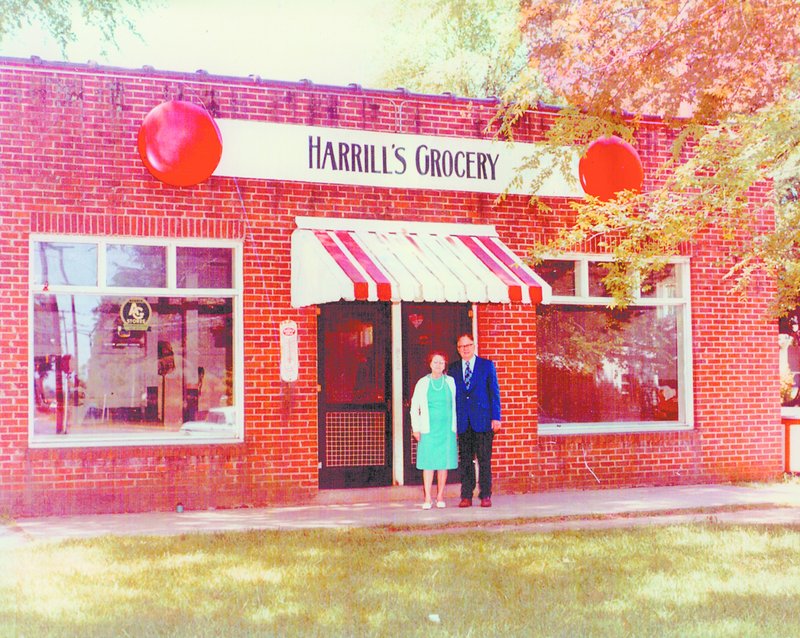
column 70, row 165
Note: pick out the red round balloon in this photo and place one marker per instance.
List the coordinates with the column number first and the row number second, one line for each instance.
column 180, row 143
column 610, row 165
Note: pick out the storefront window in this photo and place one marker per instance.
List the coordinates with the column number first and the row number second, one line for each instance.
column 603, row 369
column 122, row 367
column 789, row 344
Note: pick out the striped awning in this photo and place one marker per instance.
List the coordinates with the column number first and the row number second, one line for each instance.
column 362, row 260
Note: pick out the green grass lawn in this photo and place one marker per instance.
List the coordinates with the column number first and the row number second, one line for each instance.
column 693, row 580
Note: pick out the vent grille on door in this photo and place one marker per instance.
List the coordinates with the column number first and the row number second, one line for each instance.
column 355, row 439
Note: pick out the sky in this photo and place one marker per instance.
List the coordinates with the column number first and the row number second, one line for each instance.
column 326, row 41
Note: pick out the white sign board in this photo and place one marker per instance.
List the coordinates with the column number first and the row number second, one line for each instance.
column 264, row 150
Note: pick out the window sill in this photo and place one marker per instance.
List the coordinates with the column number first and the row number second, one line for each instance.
column 562, row 429
column 145, row 440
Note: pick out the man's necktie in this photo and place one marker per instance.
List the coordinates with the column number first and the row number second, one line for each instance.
column 467, row 375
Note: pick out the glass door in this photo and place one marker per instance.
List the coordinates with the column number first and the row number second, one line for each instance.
column 426, row 327
column 354, row 401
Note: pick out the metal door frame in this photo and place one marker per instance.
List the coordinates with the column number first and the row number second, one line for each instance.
column 355, row 476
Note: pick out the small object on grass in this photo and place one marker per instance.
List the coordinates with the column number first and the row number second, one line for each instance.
column 434, row 618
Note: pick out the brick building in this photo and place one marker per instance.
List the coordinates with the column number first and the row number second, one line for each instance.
column 252, row 339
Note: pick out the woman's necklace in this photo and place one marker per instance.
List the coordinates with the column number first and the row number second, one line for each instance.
column 441, row 385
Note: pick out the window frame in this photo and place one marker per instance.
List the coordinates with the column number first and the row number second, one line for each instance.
column 682, row 301
column 236, row 294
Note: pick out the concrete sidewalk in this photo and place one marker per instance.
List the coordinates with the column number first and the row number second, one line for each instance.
column 775, row 503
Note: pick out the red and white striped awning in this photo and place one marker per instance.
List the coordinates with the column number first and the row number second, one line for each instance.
column 363, row 260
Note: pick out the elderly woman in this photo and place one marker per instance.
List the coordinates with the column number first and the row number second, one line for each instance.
column 433, row 425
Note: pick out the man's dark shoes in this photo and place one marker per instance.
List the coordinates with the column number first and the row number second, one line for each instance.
column 486, row 502
column 465, row 502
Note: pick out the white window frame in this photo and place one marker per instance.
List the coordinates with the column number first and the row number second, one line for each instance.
column 171, row 290
column 682, row 300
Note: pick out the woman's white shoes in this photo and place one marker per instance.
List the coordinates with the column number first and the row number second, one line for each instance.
column 427, row 506
column 441, row 504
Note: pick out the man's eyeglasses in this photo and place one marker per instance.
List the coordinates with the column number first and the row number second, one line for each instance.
column 465, row 345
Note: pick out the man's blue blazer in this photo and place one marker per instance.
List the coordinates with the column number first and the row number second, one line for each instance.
column 479, row 406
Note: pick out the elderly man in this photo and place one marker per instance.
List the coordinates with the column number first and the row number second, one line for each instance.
column 478, row 417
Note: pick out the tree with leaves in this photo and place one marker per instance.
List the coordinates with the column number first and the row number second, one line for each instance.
column 467, row 47
column 725, row 75
column 58, row 17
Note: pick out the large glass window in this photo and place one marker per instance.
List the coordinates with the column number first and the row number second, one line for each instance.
column 602, row 369
column 139, row 358
column 789, row 344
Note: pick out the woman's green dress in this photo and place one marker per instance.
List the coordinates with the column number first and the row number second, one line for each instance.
column 437, row 449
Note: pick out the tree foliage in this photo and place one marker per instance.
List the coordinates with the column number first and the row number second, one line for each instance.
column 467, row 47
column 724, row 74
column 59, row 17
column 709, row 58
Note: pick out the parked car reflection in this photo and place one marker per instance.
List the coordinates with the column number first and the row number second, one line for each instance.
column 218, row 421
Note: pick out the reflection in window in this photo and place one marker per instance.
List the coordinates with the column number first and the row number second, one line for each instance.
column 93, row 375
column 662, row 284
column 204, row 267
column 111, row 368
column 133, row 266
column 354, row 366
column 61, row 263
column 597, row 272
column 603, row 369
column 597, row 365
column 560, row 275
column 789, row 359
